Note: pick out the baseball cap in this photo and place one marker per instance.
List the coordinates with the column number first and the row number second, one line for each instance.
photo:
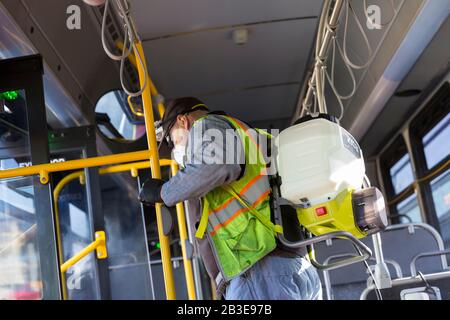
column 175, row 108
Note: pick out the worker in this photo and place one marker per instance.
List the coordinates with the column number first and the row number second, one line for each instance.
column 234, row 234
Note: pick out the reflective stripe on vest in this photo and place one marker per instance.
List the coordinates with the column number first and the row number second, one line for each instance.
column 253, row 189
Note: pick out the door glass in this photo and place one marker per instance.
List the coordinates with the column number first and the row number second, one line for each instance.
column 20, row 274
column 76, row 234
column 72, row 210
column 128, row 256
column 19, row 260
column 440, row 188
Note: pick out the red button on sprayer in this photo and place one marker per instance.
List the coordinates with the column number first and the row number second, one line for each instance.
column 321, row 211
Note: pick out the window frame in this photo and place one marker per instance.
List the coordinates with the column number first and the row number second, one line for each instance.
column 411, row 136
column 396, row 150
column 421, row 125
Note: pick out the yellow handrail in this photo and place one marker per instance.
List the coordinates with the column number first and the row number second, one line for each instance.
column 44, row 169
column 156, row 173
column 190, row 285
column 133, row 168
column 98, row 245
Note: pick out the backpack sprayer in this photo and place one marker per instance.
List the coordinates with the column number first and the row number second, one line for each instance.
column 321, row 172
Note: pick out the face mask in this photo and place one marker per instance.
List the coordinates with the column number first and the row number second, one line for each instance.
column 179, row 153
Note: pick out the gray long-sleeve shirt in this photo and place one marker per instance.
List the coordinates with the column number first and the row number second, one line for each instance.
column 205, row 169
column 203, row 172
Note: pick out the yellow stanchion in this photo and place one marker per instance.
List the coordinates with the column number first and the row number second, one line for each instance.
column 156, row 173
column 181, row 217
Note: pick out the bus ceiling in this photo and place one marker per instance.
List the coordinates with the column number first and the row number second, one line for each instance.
column 253, row 60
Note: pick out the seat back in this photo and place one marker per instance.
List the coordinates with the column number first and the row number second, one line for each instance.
column 400, row 244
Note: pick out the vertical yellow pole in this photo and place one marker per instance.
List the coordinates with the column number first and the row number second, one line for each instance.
column 181, row 217
column 156, row 173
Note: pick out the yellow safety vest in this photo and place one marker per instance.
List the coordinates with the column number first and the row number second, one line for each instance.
column 236, row 217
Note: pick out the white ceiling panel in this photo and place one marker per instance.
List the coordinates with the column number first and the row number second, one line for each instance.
column 208, row 62
column 158, row 18
column 257, row 104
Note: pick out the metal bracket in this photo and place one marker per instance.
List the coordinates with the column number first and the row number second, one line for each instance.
column 134, row 172
column 102, row 252
column 98, row 245
column 43, row 177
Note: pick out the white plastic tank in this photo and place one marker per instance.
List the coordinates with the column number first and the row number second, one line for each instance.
column 316, row 160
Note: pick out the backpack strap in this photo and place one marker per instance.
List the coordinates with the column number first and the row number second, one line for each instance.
column 203, row 220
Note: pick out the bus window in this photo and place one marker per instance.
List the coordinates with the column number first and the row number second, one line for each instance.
column 409, row 211
column 401, row 174
column 436, row 142
column 399, row 178
column 440, row 188
column 436, row 145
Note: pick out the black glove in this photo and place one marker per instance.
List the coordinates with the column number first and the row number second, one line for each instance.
column 151, row 191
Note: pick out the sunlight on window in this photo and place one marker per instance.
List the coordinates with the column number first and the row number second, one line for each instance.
column 409, row 208
column 401, row 174
column 437, row 142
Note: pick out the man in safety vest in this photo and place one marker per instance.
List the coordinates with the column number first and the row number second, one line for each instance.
column 224, row 177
